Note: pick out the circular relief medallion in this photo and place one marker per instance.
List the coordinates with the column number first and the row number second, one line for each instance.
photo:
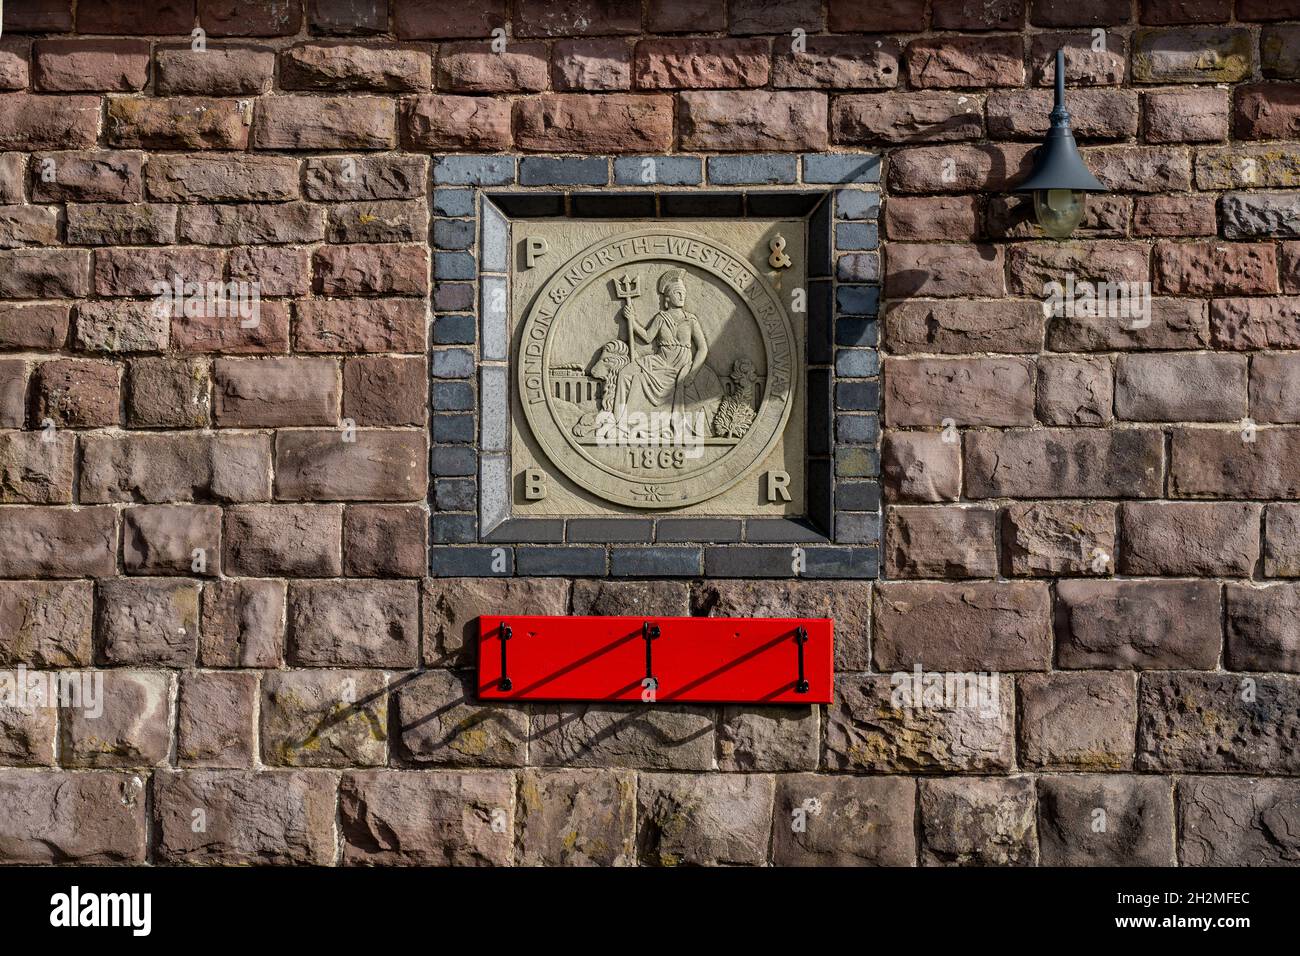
column 657, row 368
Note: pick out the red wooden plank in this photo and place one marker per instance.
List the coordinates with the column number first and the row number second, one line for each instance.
column 694, row 659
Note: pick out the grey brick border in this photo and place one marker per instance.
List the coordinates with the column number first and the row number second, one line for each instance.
column 475, row 197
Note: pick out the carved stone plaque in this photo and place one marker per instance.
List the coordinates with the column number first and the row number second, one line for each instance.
column 657, row 366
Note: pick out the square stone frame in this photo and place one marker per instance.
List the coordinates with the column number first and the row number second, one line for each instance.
column 476, row 198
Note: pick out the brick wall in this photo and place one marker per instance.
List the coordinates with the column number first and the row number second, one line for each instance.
column 1099, row 513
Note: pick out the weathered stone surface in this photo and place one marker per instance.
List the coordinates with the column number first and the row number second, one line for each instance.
column 1058, row 538
column 107, row 224
column 576, row 818
column 36, row 325
column 744, row 120
column 176, row 122
column 458, row 122
column 1074, row 391
column 716, row 820
column 940, row 542
column 981, row 822
column 360, row 325
column 920, row 325
column 321, row 718
column 1063, row 463
column 226, row 70
column 324, row 122
column 615, row 122
column 1224, row 268
column 838, row 62
column 592, row 64
column 352, row 66
column 77, row 393
column 450, row 608
column 702, row 63
column 27, row 732
column 384, row 540
column 931, row 218
column 1094, row 114
column 127, row 725
column 850, row 608
column 753, row 738
column 923, row 392
column 1218, row 723
column 267, row 817
column 242, row 623
column 45, row 624
column 1218, row 463
column 1079, row 721
column 383, row 390
column 215, row 724
column 148, row 621
column 161, row 467
column 1175, row 324
column 944, row 270
column 167, row 392
column 34, row 470
column 354, row 178
column 822, row 820
column 432, row 818
column 172, row 539
column 1137, row 624
column 222, row 178
column 876, row 725
column 1262, row 627
column 1187, row 55
column 957, row 168
column 372, row 269
column 1196, row 539
column 651, row 598
column 63, row 817
column 353, row 623
column 276, row 391
column 1177, row 387
column 1275, row 387
column 630, row 735
column 1238, row 821
column 968, row 626
column 1185, row 116
column 921, row 466
column 1194, row 215
column 43, row 542
column 1137, row 828
column 377, row 465
column 1282, row 540
column 442, row 723
column 966, row 62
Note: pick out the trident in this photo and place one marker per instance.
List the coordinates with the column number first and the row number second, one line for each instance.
column 628, row 287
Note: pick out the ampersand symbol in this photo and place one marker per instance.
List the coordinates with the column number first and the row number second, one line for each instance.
column 778, row 259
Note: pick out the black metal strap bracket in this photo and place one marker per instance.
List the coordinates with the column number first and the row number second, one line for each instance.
column 800, row 639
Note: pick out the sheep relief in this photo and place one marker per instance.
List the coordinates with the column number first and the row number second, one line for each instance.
column 657, row 367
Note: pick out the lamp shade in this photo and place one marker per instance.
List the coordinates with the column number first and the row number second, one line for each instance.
column 1057, row 163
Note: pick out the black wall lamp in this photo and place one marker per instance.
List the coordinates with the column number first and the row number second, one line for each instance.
column 1060, row 181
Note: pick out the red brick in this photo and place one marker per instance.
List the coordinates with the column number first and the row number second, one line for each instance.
column 565, row 18
column 839, row 63
column 1251, row 323
column 384, row 390
column 1188, row 215
column 1084, row 66
column 360, row 325
column 372, row 270
column 45, row 542
column 226, row 70
column 704, row 63
column 269, row 540
column 178, row 122
column 222, row 178
column 77, row 393
column 1267, row 111
column 921, row 466
column 966, row 62
column 613, row 122
column 1215, row 268
column 106, row 176
column 250, row 18
column 933, row 218
column 1032, row 266
column 268, row 393
column 30, row 122
column 35, row 467
column 1141, row 169
column 906, row 118
column 15, row 57
column 438, row 20
column 924, row 392
column 380, row 465
column 1219, row 463
column 975, row 626
column 959, row 169
column 599, row 64
column 337, row 66
column 211, row 331
column 325, row 122
column 943, row 270
column 852, row 16
column 1165, row 12
column 136, row 272
column 80, row 65
column 457, row 122
column 110, row 16
column 957, row 326
column 382, row 541
column 475, row 68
